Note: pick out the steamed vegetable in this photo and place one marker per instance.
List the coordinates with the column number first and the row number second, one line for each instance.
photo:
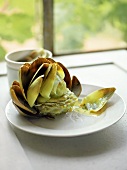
column 45, row 88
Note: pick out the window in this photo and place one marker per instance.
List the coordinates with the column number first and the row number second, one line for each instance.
column 63, row 26
column 85, row 25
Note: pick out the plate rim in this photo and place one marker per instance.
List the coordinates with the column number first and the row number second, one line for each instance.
column 69, row 134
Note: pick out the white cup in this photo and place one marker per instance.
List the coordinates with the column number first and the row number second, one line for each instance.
column 13, row 64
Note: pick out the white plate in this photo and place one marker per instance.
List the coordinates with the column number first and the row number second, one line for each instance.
column 70, row 124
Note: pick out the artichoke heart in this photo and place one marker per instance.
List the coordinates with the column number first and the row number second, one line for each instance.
column 56, row 106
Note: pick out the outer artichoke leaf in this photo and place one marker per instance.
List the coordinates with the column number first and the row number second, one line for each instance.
column 40, row 72
column 76, row 86
column 33, row 91
column 19, row 100
column 51, row 60
column 34, row 67
column 96, row 100
column 25, row 112
column 23, row 73
column 47, row 71
column 67, row 77
column 48, row 83
column 16, row 83
column 59, row 68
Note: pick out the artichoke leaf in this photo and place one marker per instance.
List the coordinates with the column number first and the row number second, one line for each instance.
column 60, row 71
column 35, row 65
column 33, row 90
column 96, row 100
column 56, row 82
column 40, row 72
column 41, row 99
column 23, row 73
column 48, row 83
column 67, row 77
column 47, row 71
column 19, row 100
column 76, row 86
column 26, row 112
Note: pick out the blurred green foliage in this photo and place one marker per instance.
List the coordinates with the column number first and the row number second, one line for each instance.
column 2, row 53
column 16, row 27
column 16, row 20
column 76, row 20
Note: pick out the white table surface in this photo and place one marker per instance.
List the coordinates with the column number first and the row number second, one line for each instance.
column 105, row 150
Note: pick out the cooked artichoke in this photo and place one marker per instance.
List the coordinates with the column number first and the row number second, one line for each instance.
column 45, row 88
